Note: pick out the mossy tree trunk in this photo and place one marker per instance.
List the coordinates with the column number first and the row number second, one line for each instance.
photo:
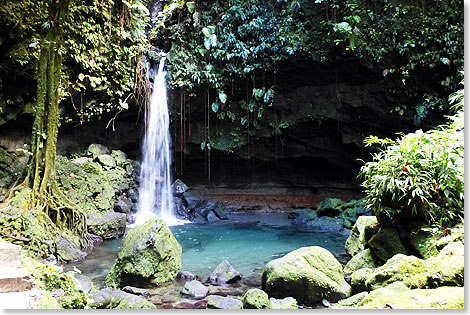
column 46, row 197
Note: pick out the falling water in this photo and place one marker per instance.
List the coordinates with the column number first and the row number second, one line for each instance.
column 155, row 195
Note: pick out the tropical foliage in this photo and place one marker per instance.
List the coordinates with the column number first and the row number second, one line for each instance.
column 421, row 173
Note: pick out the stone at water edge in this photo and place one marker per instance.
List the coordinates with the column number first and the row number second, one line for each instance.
column 123, row 204
column 356, row 241
column 150, row 252
column 225, row 303
column 117, row 299
column 108, row 225
column 194, row 289
column 136, row 291
column 330, row 207
column 224, row 273
column 386, row 243
column 178, row 187
column 255, row 299
column 308, row 274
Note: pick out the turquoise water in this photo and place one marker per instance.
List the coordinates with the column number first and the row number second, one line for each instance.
column 248, row 242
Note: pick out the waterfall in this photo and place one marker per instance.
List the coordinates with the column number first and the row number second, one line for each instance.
column 155, row 194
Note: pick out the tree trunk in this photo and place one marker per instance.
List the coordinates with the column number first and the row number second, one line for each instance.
column 46, row 196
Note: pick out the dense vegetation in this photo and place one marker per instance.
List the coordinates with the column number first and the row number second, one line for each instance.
column 420, row 174
column 215, row 44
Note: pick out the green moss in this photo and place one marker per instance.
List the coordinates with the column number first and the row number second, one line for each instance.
column 359, row 278
column 255, row 299
column 386, row 243
column 363, row 259
column 356, row 240
column 150, row 251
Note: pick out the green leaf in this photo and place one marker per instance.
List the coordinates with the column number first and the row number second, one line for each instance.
column 190, row 6
column 223, row 97
column 215, row 107
column 206, row 32
column 81, row 76
column 222, row 115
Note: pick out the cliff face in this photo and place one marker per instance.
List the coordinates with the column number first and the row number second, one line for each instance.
column 312, row 136
column 323, row 113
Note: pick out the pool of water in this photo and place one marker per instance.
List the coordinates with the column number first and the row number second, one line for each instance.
column 247, row 241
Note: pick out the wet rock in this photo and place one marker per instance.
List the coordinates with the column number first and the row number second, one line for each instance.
column 255, row 299
column 96, row 149
column 330, row 207
column 225, row 303
column 356, row 241
column 194, row 290
column 68, row 251
column 107, row 225
column 107, row 160
column 363, row 259
column 211, row 217
column 178, row 188
column 132, row 193
column 150, row 253
column 447, row 268
column 119, row 156
column 325, row 224
column 288, row 303
column 386, row 243
column 224, row 273
column 308, row 274
column 186, row 275
column 80, row 160
column 123, row 204
column 108, row 298
column 219, row 211
column 136, row 291
column 192, row 201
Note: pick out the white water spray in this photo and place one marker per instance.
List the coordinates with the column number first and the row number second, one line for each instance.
column 155, row 195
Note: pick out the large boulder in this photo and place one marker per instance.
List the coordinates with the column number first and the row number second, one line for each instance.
column 224, row 273
column 107, row 225
column 150, row 252
column 356, row 241
column 224, row 303
column 194, row 290
column 255, row 299
column 123, row 204
column 386, row 243
column 68, row 249
column 410, row 270
column 117, row 299
column 119, row 156
column 363, row 259
column 308, row 274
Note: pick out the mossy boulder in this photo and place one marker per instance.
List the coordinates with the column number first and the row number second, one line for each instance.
column 308, row 274
column 119, row 156
column 398, row 296
column 447, row 268
column 96, row 149
column 288, row 303
column 359, row 278
column 410, row 270
column 386, row 243
column 330, row 207
column 363, row 259
column 107, row 160
column 351, row 301
column 108, row 298
column 255, row 299
column 424, row 243
column 356, row 241
column 150, row 252
column 107, row 225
